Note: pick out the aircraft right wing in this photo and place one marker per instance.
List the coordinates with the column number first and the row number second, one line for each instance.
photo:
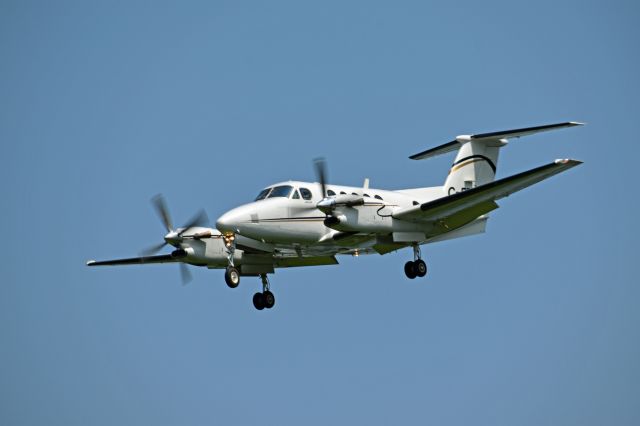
column 480, row 200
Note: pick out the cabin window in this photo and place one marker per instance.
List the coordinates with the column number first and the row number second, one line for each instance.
column 331, row 193
column 343, row 193
column 415, row 203
column 296, row 195
column 366, row 195
column 306, row 194
column 378, row 197
column 263, row 194
column 281, row 191
column 354, row 193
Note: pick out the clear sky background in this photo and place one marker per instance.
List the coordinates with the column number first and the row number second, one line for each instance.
column 104, row 104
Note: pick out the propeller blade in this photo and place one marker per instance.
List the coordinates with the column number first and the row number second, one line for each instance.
column 321, row 173
column 153, row 249
column 160, row 206
column 200, row 219
column 185, row 275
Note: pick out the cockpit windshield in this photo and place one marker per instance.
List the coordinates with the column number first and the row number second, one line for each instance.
column 263, row 194
column 281, row 191
column 277, row 191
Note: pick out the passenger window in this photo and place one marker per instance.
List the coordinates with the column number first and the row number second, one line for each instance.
column 331, row 193
column 296, row 195
column 306, row 194
column 343, row 193
column 354, row 193
column 378, row 197
column 366, row 195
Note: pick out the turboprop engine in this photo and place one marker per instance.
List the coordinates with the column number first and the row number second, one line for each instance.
column 329, row 204
column 341, row 211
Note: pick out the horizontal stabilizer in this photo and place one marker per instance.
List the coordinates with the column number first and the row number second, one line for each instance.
column 492, row 136
column 441, row 149
column 163, row 258
column 462, row 201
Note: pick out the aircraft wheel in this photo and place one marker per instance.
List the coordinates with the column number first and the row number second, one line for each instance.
column 410, row 270
column 259, row 301
column 232, row 277
column 420, row 267
column 269, row 299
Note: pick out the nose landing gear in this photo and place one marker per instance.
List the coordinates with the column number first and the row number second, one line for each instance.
column 417, row 267
column 266, row 299
column 231, row 275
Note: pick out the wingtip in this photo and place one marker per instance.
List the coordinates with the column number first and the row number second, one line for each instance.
column 90, row 262
column 577, row 123
column 569, row 161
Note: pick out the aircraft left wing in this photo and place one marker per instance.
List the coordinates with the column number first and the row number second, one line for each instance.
column 481, row 199
column 163, row 258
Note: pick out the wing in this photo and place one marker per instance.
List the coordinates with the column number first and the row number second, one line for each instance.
column 470, row 204
column 163, row 258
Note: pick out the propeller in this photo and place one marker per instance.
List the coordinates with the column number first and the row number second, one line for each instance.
column 185, row 275
column 153, row 249
column 321, row 172
column 174, row 238
column 200, row 219
column 163, row 211
column 328, row 203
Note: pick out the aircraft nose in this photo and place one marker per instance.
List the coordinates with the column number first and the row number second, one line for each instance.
column 231, row 221
column 224, row 223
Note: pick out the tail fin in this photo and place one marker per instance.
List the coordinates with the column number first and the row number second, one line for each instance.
column 477, row 157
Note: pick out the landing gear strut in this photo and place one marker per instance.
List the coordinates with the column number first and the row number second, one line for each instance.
column 266, row 299
column 231, row 275
column 417, row 267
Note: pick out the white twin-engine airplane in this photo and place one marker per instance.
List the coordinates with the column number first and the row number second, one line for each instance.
column 307, row 224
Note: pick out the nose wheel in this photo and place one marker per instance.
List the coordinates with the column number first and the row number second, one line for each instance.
column 232, row 277
column 266, row 299
column 417, row 267
column 231, row 274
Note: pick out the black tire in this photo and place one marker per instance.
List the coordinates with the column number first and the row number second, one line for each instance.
column 420, row 267
column 232, row 277
column 269, row 299
column 258, row 301
column 410, row 270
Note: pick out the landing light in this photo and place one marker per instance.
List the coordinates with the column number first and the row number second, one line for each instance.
column 228, row 240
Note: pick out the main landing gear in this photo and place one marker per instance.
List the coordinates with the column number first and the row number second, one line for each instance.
column 417, row 267
column 266, row 299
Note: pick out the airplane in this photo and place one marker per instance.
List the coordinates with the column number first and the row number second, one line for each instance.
column 295, row 223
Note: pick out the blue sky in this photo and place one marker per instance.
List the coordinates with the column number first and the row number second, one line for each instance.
column 105, row 104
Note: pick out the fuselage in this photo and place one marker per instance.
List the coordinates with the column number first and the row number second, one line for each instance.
column 287, row 212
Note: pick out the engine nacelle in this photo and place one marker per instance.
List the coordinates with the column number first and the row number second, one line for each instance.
column 363, row 219
column 334, row 221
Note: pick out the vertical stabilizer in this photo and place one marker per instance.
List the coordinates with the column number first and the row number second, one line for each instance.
column 475, row 165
